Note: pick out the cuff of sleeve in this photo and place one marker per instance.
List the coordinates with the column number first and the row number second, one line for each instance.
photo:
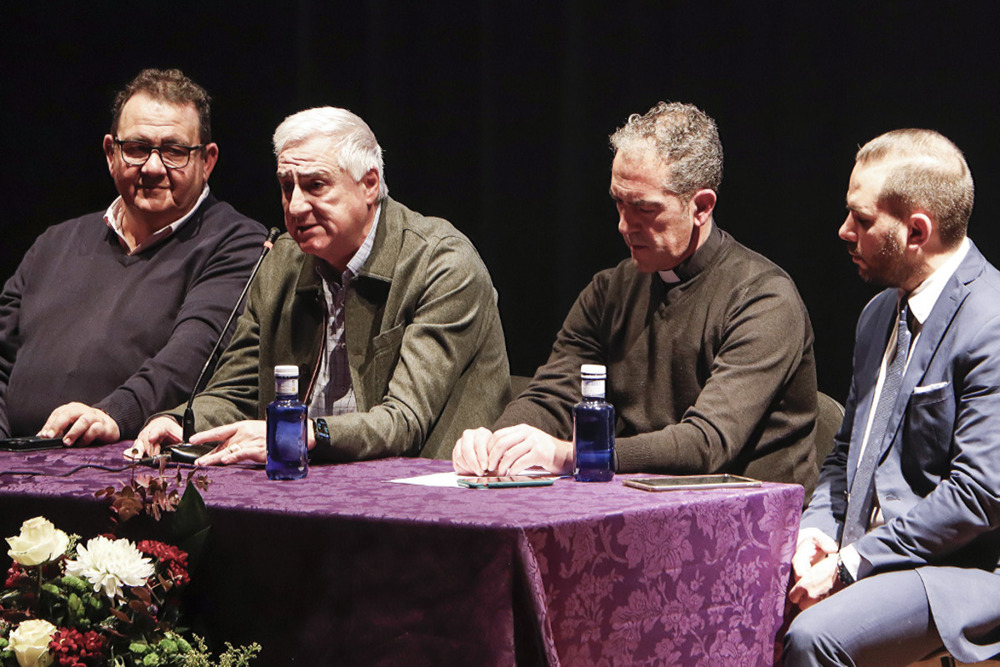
column 125, row 412
column 851, row 559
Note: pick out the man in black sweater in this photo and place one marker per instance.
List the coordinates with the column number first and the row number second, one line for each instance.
column 110, row 316
column 708, row 346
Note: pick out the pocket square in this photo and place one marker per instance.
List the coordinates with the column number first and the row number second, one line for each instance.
column 926, row 389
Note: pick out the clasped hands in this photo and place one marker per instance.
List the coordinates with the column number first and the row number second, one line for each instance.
column 240, row 442
column 510, row 451
column 814, row 567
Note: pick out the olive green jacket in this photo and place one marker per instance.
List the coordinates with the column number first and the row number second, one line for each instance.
column 424, row 342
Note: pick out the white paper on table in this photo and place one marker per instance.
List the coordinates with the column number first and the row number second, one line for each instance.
column 450, row 479
column 435, row 479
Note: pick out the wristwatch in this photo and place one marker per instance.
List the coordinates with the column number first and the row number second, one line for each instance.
column 846, row 578
column 321, row 433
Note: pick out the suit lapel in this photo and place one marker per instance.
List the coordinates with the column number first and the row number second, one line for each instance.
column 933, row 332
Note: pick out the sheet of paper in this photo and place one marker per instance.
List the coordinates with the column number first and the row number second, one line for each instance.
column 451, row 478
column 435, row 479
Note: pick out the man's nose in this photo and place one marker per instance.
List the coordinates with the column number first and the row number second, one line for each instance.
column 297, row 204
column 846, row 231
column 623, row 224
column 154, row 164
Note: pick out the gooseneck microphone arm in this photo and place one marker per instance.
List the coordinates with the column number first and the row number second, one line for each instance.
column 189, row 410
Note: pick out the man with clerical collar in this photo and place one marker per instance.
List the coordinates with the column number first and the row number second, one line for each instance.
column 109, row 317
column 708, row 347
column 390, row 315
column 899, row 548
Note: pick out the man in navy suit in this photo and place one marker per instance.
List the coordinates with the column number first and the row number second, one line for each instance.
column 898, row 551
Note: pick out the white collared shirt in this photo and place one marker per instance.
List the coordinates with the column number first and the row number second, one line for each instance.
column 921, row 302
column 115, row 219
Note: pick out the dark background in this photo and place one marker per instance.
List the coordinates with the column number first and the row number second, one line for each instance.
column 495, row 115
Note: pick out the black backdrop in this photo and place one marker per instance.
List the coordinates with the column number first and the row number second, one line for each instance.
column 495, row 115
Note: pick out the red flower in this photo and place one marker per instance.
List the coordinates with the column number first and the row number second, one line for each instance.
column 14, row 574
column 170, row 557
column 71, row 648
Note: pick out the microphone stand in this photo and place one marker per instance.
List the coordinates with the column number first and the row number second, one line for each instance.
column 189, row 410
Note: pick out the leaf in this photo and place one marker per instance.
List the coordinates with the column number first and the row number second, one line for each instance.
column 191, row 523
column 121, row 616
column 142, row 592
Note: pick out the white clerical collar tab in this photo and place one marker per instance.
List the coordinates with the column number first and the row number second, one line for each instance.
column 669, row 277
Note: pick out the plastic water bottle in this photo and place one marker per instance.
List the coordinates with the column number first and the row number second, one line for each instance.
column 594, row 428
column 287, row 456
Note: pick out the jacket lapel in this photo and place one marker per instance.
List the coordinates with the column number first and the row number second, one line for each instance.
column 930, row 338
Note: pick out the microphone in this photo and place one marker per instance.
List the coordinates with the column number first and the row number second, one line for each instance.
column 189, row 410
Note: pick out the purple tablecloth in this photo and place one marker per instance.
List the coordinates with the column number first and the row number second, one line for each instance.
column 345, row 568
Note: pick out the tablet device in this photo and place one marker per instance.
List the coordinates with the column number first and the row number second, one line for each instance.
column 691, row 482
column 30, row 443
column 506, row 482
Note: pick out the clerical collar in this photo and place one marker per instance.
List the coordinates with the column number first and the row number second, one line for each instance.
column 697, row 262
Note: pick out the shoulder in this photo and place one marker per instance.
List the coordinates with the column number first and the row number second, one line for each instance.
column 74, row 234
column 985, row 283
column 411, row 239
column 424, row 228
column 619, row 289
column 745, row 266
column 84, row 224
column 621, row 278
column 220, row 217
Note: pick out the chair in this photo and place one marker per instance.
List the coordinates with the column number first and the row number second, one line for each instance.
column 943, row 659
column 829, row 416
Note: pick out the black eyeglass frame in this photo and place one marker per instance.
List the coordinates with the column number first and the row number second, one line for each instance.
column 158, row 149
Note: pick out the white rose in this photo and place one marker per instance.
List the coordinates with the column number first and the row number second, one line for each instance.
column 39, row 542
column 30, row 643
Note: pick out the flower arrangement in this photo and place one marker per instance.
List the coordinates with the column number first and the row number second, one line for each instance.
column 109, row 601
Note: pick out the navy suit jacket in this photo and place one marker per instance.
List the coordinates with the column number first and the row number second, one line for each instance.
column 938, row 478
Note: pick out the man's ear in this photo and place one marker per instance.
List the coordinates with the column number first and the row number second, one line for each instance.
column 211, row 158
column 370, row 182
column 109, row 150
column 703, row 203
column 919, row 229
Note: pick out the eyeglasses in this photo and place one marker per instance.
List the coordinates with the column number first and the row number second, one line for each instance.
column 173, row 156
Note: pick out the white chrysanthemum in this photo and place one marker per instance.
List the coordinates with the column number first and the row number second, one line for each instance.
column 109, row 564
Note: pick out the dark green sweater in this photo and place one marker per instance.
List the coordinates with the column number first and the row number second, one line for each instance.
column 714, row 374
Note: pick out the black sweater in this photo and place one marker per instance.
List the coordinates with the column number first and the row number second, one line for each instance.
column 80, row 320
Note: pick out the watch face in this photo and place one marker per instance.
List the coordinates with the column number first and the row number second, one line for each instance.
column 322, row 432
column 843, row 573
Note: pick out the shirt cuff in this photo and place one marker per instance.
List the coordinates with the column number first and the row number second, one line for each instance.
column 851, row 559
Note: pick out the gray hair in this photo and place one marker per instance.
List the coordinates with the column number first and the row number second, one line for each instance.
column 926, row 171
column 683, row 137
column 358, row 151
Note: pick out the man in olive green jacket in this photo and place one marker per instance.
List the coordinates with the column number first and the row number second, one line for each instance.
column 390, row 316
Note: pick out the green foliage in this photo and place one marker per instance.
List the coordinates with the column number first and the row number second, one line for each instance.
column 139, row 627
